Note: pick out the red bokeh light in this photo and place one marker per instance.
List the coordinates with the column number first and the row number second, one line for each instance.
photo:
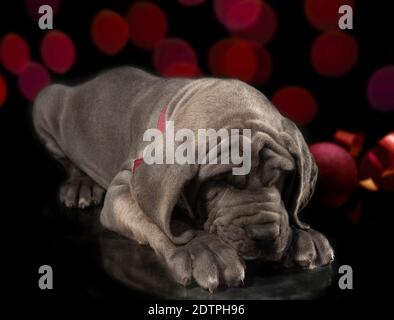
column 14, row 53
column 33, row 78
column 263, row 28
column 173, row 51
column 148, row 24
column 58, row 51
column 323, row 14
column 381, row 89
column 216, row 56
column 109, row 31
column 240, row 61
column 264, row 66
column 233, row 58
column 3, row 90
column 182, row 69
column 296, row 103
column 334, row 53
column 237, row 14
column 337, row 174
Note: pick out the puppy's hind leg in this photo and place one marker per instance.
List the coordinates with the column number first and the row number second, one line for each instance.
column 79, row 190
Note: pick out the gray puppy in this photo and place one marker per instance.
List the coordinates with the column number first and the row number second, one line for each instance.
column 96, row 131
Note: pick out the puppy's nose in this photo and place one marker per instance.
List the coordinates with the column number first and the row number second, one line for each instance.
column 263, row 231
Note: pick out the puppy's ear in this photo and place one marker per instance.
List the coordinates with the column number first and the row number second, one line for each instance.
column 302, row 184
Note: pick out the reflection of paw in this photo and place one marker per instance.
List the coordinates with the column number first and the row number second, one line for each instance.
column 81, row 192
column 209, row 261
column 309, row 249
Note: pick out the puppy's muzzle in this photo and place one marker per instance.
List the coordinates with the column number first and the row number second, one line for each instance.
column 260, row 233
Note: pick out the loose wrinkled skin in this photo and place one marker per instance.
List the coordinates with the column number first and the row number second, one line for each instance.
column 95, row 130
column 255, row 223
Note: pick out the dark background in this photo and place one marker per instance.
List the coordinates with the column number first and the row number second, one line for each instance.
column 38, row 231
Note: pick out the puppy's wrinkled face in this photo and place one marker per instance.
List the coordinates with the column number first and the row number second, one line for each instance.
column 249, row 214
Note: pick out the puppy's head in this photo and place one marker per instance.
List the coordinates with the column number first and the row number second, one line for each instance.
column 253, row 213
column 248, row 213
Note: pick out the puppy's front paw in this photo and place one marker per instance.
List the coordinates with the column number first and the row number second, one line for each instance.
column 309, row 249
column 81, row 193
column 208, row 261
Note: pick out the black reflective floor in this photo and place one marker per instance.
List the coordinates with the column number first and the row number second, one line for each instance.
column 100, row 264
column 93, row 264
column 138, row 267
